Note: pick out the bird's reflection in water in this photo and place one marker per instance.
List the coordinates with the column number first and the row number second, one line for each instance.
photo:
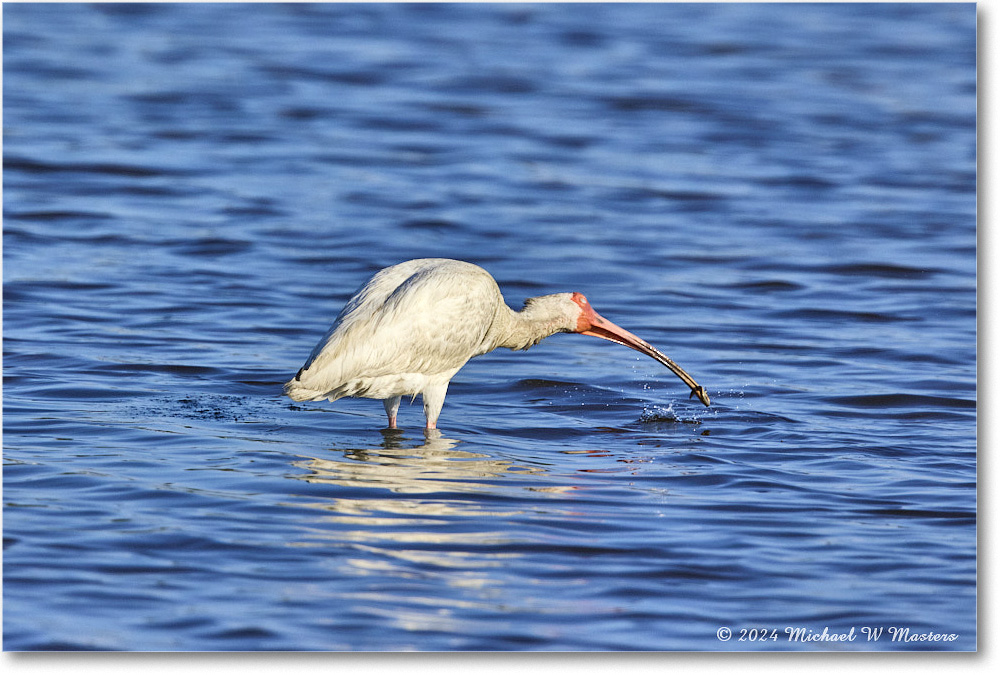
column 442, row 522
column 400, row 504
column 437, row 465
column 435, row 479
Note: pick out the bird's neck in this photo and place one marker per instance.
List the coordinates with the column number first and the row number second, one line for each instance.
column 524, row 329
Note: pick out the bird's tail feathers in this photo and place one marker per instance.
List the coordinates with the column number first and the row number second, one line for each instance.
column 297, row 392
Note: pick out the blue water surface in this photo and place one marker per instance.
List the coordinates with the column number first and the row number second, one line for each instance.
column 780, row 197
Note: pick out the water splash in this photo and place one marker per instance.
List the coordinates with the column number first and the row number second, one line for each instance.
column 658, row 413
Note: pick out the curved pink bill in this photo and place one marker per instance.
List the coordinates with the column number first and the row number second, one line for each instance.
column 602, row 328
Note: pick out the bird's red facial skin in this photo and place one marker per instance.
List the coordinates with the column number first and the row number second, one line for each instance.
column 591, row 323
column 588, row 317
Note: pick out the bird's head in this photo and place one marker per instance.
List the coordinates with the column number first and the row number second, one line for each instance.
column 564, row 312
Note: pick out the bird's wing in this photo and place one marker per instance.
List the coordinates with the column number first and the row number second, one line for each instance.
column 431, row 321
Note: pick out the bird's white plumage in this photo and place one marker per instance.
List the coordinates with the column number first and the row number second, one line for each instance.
column 414, row 325
column 410, row 328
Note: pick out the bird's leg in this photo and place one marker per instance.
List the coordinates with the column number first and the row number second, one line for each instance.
column 433, row 401
column 391, row 408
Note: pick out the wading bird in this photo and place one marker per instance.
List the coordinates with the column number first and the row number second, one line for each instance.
column 414, row 325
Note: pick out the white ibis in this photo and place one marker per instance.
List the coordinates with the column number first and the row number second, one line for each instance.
column 414, row 325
